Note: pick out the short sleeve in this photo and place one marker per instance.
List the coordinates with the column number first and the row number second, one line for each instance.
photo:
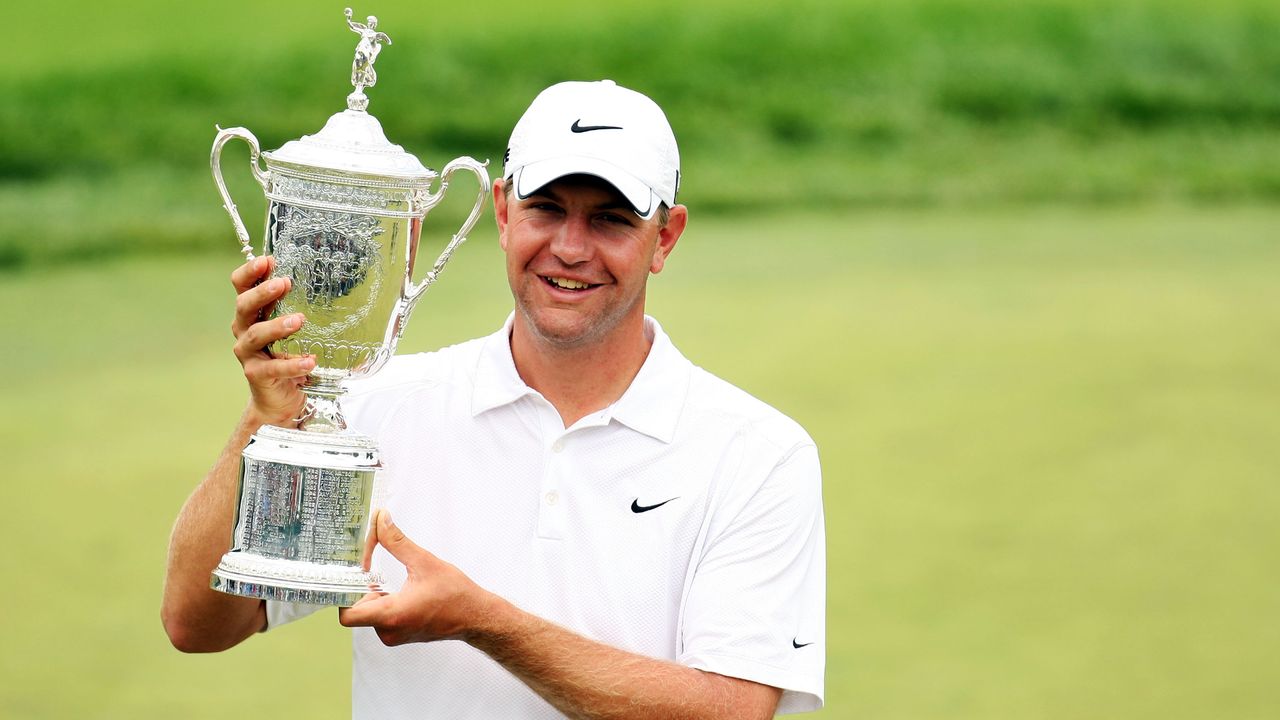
column 281, row 613
column 755, row 607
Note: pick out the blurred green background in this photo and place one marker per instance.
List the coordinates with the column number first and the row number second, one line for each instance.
column 1013, row 264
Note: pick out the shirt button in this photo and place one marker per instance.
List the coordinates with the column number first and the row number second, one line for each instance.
column 557, row 446
column 552, row 497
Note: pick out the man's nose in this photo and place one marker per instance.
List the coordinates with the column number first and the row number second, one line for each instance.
column 572, row 243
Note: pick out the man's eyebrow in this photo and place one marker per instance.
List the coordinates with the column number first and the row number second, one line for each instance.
column 617, row 204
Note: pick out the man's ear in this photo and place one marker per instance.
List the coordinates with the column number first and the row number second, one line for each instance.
column 677, row 219
column 500, row 210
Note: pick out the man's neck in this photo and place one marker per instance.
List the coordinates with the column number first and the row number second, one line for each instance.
column 580, row 380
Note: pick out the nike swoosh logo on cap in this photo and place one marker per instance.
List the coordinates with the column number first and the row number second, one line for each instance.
column 575, row 127
column 797, row 645
column 637, row 508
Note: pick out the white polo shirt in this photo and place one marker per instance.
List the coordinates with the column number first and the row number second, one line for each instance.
column 683, row 522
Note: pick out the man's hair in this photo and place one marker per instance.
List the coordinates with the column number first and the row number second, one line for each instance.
column 663, row 215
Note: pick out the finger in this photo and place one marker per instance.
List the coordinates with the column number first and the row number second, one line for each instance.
column 397, row 543
column 368, row 611
column 251, row 273
column 256, row 302
column 370, row 540
column 367, row 597
column 261, row 369
column 257, row 336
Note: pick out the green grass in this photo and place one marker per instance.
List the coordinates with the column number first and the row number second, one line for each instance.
column 1011, row 262
column 819, row 104
column 1049, row 442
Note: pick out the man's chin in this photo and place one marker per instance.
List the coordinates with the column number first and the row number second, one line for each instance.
column 561, row 328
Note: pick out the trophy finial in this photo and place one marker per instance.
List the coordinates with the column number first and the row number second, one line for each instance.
column 362, row 73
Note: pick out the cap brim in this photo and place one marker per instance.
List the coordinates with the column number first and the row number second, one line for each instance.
column 532, row 177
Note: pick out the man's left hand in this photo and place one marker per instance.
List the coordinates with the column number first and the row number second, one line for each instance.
column 437, row 601
column 580, row 677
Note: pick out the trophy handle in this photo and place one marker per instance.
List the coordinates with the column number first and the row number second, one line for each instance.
column 262, row 176
column 412, row 291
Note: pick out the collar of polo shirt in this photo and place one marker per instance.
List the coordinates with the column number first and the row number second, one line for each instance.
column 661, row 376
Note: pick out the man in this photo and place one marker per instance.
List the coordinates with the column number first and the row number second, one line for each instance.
column 584, row 523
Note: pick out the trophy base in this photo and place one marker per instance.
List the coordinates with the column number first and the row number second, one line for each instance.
column 302, row 518
column 291, row 581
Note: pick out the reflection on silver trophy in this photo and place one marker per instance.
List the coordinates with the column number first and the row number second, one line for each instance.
column 344, row 211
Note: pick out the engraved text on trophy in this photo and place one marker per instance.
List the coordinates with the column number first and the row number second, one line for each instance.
column 277, row 496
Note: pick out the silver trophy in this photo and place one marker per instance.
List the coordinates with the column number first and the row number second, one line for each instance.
column 344, row 213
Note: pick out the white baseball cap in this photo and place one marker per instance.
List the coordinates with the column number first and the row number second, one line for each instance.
column 600, row 129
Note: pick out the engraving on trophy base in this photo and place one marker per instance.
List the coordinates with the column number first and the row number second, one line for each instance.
column 303, row 514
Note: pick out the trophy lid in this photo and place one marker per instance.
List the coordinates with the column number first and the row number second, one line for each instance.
column 352, row 141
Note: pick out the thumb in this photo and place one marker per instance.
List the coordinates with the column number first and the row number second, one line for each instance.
column 395, row 541
column 370, row 540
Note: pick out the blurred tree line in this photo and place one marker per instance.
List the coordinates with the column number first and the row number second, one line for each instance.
column 807, row 104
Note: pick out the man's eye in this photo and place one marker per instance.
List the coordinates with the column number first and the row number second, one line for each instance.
column 613, row 218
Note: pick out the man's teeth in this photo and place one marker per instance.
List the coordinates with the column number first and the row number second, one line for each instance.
column 568, row 284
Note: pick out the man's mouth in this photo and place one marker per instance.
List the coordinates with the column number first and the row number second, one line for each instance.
column 566, row 283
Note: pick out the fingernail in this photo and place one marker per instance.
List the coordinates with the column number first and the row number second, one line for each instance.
column 277, row 284
column 307, row 364
column 292, row 322
column 260, row 264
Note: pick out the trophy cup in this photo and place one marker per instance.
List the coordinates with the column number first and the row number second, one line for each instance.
column 344, row 213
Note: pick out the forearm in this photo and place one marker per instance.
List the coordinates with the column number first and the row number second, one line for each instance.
column 587, row 679
column 196, row 617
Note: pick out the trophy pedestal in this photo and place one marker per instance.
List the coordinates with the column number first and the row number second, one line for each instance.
column 301, row 519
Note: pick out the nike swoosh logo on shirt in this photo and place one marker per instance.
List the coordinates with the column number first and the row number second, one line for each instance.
column 636, row 507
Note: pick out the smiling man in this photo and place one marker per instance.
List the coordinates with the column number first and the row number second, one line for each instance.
column 586, row 524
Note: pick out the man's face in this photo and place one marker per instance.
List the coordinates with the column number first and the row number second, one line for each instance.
column 578, row 259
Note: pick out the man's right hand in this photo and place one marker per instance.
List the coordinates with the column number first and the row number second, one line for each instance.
column 274, row 382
